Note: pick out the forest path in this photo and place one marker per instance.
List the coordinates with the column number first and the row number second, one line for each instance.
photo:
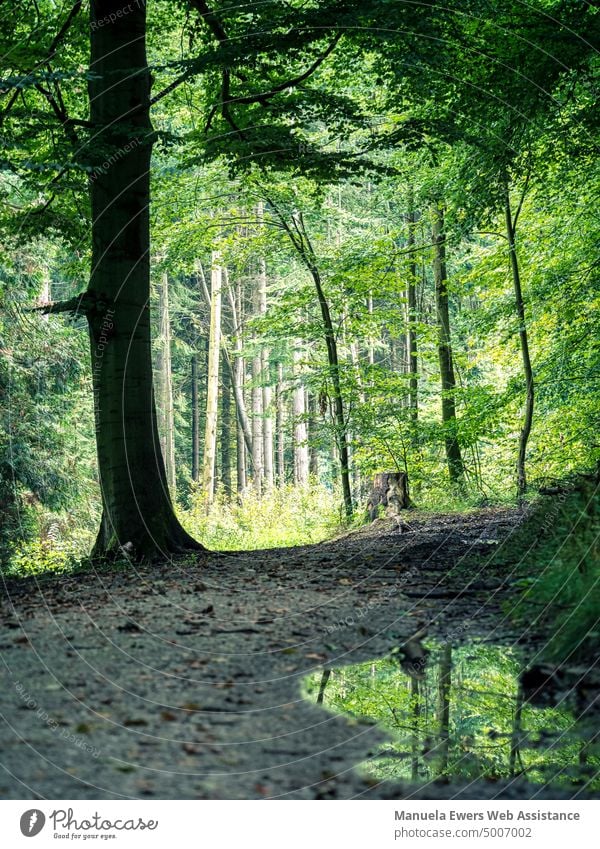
column 184, row 680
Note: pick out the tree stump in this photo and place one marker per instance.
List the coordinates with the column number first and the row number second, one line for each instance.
column 390, row 490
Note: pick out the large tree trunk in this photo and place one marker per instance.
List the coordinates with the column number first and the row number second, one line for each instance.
column 138, row 516
column 212, row 388
column 456, row 469
column 523, row 338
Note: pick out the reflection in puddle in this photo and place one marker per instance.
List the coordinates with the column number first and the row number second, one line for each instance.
column 461, row 714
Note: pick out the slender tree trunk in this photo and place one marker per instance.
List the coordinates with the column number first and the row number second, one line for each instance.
column 313, row 464
column 226, row 430
column 370, row 348
column 269, row 474
column 415, row 705
column 280, row 426
column 212, row 389
column 323, row 685
column 524, row 340
column 300, row 239
column 515, row 740
column 453, row 453
column 195, row 420
column 240, row 456
column 412, row 316
column 267, row 422
column 165, row 385
column 443, row 717
column 137, row 512
column 257, row 424
column 341, row 430
column 259, row 299
column 300, row 434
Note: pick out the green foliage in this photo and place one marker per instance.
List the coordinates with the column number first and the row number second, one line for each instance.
column 58, row 553
column 557, row 557
column 283, row 516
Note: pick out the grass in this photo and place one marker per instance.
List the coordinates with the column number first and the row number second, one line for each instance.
column 284, row 516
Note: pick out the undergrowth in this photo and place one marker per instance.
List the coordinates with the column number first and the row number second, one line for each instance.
column 557, row 557
column 284, row 516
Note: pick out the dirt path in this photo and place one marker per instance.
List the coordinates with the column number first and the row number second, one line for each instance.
column 184, row 681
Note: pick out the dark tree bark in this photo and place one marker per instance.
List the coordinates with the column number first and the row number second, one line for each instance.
column 454, row 459
column 323, row 685
column 138, row 515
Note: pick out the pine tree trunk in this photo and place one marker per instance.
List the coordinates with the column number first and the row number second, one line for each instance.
column 525, row 356
column 212, row 389
column 138, row 515
column 448, row 380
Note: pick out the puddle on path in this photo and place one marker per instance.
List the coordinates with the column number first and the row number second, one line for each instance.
column 462, row 713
